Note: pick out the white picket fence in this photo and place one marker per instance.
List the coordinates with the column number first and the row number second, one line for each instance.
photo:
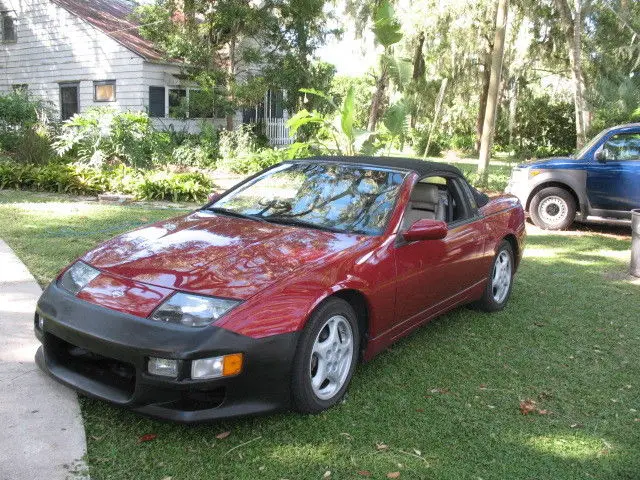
column 277, row 132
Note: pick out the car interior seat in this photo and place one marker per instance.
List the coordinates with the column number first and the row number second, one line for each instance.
column 427, row 201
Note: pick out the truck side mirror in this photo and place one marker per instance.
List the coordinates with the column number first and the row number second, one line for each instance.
column 601, row 155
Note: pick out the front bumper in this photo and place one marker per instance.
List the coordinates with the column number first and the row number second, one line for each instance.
column 104, row 353
column 519, row 185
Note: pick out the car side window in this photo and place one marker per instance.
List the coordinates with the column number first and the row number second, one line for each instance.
column 622, row 147
column 436, row 198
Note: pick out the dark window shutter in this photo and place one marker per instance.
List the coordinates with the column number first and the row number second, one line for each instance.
column 156, row 102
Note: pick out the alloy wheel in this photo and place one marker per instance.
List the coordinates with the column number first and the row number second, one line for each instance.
column 331, row 357
column 501, row 277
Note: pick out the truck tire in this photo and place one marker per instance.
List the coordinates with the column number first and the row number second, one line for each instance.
column 553, row 208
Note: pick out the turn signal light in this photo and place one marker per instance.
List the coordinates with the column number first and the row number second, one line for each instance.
column 232, row 364
column 216, row 367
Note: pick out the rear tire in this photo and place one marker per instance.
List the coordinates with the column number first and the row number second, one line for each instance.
column 326, row 357
column 553, row 208
column 500, row 281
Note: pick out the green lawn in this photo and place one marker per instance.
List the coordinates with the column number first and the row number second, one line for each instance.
column 443, row 403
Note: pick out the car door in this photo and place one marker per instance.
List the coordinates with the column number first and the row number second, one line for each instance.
column 613, row 182
column 434, row 274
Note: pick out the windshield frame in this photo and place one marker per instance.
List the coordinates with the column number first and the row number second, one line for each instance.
column 591, row 144
column 251, row 180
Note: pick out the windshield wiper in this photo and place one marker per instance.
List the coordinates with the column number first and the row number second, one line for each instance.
column 301, row 223
column 233, row 213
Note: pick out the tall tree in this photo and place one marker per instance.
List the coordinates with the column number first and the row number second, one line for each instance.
column 386, row 29
column 236, row 49
column 572, row 20
column 497, row 56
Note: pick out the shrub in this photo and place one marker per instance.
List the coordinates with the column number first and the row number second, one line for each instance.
column 237, row 143
column 19, row 110
column 103, row 134
column 264, row 158
column 85, row 180
column 191, row 186
column 419, row 139
column 34, row 147
column 544, row 127
column 25, row 128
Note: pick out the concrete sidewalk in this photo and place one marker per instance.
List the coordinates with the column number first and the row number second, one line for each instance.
column 41, row 431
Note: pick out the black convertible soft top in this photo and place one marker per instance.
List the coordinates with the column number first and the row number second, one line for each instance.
column 421, row 167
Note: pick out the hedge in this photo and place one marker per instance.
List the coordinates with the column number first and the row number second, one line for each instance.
column 80, row 180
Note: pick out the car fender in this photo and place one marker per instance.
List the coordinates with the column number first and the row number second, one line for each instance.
column 574, row 179
column 504, row 217
column 369, row 271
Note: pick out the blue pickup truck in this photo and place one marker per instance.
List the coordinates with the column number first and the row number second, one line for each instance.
column 600, row 183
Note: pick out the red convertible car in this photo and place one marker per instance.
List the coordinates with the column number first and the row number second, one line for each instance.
column 266, row 297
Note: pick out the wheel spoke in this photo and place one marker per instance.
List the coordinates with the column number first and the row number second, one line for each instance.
column 333, row 333
column 320, row 348
column 321, row 374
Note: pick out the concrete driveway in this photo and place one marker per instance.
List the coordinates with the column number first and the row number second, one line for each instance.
column 42, row 432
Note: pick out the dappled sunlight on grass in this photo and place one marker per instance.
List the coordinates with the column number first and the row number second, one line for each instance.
column 570, row 446
column 292, row 455
column 58, row 209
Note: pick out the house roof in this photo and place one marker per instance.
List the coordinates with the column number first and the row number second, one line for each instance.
column 113, row 18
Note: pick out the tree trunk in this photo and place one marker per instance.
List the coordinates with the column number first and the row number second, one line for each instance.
column 417, row 75
column 513, row 109
column 231, row 76
column 497, row 56
column 572, row 26
column 378, row 99
column 436, row 115
column 482, row 104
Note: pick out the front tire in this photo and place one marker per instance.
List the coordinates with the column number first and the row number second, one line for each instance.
column 553, row 208
column 326, row 357
column 500, row 281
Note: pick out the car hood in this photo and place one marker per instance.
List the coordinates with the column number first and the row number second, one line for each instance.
column 215, row 255
column 553, row 162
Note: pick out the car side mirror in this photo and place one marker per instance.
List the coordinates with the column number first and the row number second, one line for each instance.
column 601, row 155
column 426, row 229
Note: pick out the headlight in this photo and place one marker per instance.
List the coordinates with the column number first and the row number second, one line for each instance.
column 192, row 310
column 77, row 277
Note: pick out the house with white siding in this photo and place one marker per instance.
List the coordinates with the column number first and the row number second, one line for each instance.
column 86, row 53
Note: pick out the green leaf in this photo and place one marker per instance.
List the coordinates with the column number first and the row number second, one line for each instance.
column 386, row 27
column 303, row 117
column 347, row 113
column 395, row 119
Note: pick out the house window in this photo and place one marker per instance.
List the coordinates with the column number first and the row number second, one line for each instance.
column 203, row 104
column 8, row 26
column 156, row 102
column 104, row 91
column 69, row 102
column 178, row 106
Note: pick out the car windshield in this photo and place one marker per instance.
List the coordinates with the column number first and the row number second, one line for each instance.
column 327, row 196
column 583, row 151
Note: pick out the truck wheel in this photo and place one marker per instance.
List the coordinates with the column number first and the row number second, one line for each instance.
column 553, row 208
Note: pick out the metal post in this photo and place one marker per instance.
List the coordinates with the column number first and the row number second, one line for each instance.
column 634, row 268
